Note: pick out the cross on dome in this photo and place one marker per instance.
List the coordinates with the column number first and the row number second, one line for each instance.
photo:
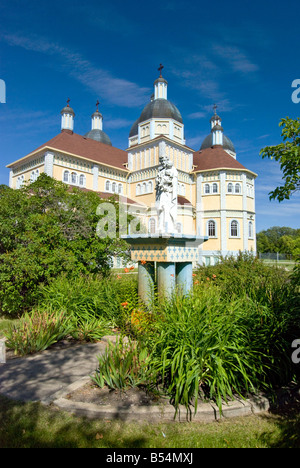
column 160, row 69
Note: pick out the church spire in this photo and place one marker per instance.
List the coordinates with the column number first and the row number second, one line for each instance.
column 216, row 129
column 160, row 86
column 97, row 119
column 67, row 118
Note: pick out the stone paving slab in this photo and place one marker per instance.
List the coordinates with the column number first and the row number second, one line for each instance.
column 37, row 377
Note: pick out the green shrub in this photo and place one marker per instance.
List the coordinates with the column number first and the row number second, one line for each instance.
column 38, row 330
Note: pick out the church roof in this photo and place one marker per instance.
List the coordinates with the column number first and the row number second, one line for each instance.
column 81, row 146
column 215, row 158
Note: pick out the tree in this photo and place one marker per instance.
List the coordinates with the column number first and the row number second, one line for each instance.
column 47, row 229
column 288, row 155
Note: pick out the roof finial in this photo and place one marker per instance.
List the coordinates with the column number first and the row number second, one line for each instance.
column 68, row 100
column 160, row 69
column 97, row 104
column 215, row 109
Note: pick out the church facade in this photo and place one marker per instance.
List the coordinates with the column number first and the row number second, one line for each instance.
column 216, row 193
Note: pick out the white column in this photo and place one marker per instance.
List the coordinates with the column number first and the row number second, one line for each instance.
column 245, row 212
column 95, row 177
column 223, row 232
column 49, row 159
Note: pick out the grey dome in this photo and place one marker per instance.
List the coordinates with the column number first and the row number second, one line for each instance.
column 158, row 108
column 134, row 128
column 98, row 135
column 68, row 110
column 208, row 143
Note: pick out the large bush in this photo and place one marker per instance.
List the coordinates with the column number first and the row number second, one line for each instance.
column 47, row 229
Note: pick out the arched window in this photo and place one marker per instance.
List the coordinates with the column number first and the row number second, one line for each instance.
column 144, row 188
column 211, row 228
column 150, row 186
column 215, row 188
column 237, row 188
column 230, row 188
column 234, row 228
column 152, row 226
column 107, row 186
column 114, row 187
column 74, row 178
column 66, row 177
column 82, row 180
column 20, row 181
column 179, row 228
column 182, row 189
column 120, row 188
column 206, row 188
column 138, row 189
column 250, row 230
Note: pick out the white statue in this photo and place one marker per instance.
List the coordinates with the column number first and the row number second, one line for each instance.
column 166, row 195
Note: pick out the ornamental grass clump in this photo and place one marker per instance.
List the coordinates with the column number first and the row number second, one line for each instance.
column 206, row 346
column 38, row 330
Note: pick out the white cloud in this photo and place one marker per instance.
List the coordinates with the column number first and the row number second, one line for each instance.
column 117, row 91
column 235, row 58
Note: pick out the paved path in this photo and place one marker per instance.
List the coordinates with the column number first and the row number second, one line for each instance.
column 42, row 376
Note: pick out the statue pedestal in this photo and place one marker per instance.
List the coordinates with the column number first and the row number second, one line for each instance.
column 173, row 257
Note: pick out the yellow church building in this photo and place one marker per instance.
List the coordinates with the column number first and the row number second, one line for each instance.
column 216, row 193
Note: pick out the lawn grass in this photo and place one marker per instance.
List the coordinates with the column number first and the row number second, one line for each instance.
column 32, row 425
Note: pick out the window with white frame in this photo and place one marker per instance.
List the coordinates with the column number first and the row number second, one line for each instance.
column 211, row 228
column 120, row 188
column 237, row 188
column 230, row 188
column 138, row 189
column 206, row 188
column 250, row 229
column 82, row 179
column 74, row 178
column 215, row 187
column 152, row 225
column 234, row 228
column 20, row 181
column 34, row 175
column 114, row 187
column 66, row 176
column 150, row 186
column 107, row 186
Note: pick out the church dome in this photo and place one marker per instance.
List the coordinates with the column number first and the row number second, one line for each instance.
column 160, row 108
column 98, row 135
column 227, row 143
column 156, row 109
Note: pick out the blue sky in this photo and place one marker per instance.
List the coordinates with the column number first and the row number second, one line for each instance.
column 243, row 56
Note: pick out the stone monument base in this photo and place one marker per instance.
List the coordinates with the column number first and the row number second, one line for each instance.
column 167, row 258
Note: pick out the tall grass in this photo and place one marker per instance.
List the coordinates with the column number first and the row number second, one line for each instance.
column 90, row 297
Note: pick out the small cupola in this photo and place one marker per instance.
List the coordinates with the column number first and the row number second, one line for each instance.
column 67, row 118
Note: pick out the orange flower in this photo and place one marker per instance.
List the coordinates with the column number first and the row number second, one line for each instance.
column 124, row 304
column 214, row 276
column 208, row 279
column 143, row 262
column 126, row 270
column 196, row 282
column 131, row 268
column 172, row 274
column 118, row 277
column 194, row 274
